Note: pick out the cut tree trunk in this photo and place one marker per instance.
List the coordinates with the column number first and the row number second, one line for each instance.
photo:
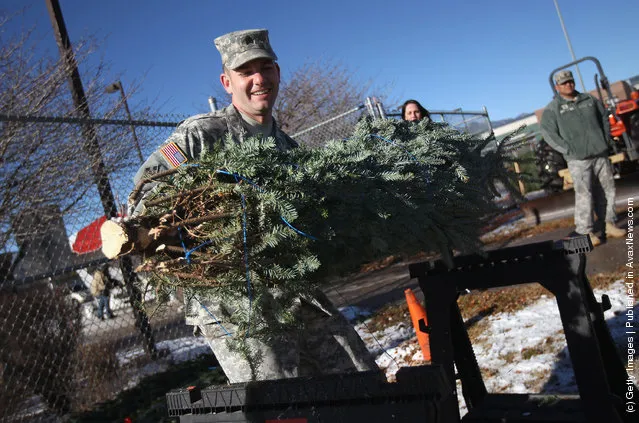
column 121, row 238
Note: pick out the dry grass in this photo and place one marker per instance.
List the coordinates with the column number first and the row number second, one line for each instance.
column 392, row 314
column 528, row 353
column 527, row 230
column 379, row 264
column 479, row 304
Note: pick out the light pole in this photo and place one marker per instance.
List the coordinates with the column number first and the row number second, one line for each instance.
column 117, row 86
column 213, row 104
column 572, row 53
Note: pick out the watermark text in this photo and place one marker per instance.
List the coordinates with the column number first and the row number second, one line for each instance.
column 630, row 323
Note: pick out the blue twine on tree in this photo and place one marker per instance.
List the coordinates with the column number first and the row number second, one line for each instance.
column 297, row 230
column 238, row 177
column 260, row 189
column 214, row 318
column 187, row 253
column 246, row 256
column 182, row 241
column 188, row 260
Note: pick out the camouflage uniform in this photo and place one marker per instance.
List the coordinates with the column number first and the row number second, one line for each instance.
column 594, row 187
column 325, row 343
column 194, row 136
column 328, row 343
column 578, row 130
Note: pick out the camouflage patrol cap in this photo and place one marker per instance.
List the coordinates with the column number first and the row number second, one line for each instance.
column 563, row 76
column 239, row 47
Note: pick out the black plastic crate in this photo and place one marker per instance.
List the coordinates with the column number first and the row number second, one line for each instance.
column 417, row 396
column 181, row 399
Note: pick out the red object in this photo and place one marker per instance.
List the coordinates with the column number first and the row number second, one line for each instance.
column 627, row 106
column 88, row 238
column 617, row 128
column 128, row 420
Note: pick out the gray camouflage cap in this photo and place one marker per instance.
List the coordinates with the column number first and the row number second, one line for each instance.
column 239, row 47
column 563, row 76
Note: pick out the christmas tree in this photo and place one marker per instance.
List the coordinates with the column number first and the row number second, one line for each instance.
column 248, row 219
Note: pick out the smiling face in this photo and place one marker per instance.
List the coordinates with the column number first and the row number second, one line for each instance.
column 412, row 112
column 253, row 87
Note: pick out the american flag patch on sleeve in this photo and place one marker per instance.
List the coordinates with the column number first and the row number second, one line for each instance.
column 173, row 154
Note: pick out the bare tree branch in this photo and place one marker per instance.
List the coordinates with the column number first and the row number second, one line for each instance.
column 45, row 163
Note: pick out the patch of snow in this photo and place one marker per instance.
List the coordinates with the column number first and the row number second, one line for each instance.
column 507, row 229
column 533, row 195
column 522, row 351
column 353, row 312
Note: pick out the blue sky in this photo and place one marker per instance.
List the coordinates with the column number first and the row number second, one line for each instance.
column 446, row 54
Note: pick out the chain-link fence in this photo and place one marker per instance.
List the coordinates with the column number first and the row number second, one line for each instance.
column 65, row 342
column 341, row 125
column 68, row 343
column 337, row 127
column 472, row 122
column 77, row 329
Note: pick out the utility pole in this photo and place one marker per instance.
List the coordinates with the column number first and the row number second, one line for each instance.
column 91, row 145
column 572, row 53
column 100, row 176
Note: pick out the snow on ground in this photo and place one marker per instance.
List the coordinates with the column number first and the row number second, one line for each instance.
column 506, row 229
column 178, row 351
column 523, row 351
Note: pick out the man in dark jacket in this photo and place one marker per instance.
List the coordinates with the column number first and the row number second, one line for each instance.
column 576, row 125
column 330, row 344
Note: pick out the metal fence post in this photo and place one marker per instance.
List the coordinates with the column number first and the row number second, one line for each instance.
column 370, row 108
column 490, row 125
column 213, row 104
column 100, row 175
column 380, row 108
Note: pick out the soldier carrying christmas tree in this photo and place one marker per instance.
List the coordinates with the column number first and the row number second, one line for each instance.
column 325, row 342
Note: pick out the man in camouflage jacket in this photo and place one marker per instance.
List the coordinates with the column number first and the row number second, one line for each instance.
column 576, row 125
column 329, row 344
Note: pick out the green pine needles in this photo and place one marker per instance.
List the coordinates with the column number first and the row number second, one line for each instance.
column 252, row 218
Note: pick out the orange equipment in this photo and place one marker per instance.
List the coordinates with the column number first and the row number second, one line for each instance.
column 417, row 313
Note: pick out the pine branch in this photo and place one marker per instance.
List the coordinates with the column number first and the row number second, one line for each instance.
column 252, row 218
